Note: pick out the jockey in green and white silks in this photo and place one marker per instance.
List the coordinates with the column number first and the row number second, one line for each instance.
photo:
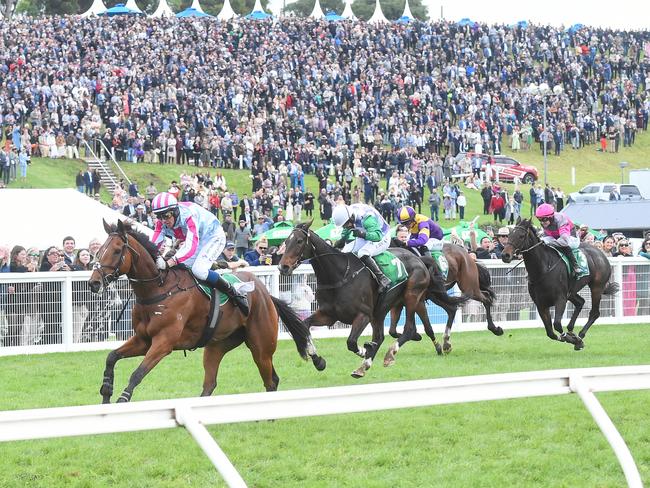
column 371, row 232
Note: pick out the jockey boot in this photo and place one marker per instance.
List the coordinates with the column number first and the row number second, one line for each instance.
column 382, row 279
column 216, row 281
column 575, row 267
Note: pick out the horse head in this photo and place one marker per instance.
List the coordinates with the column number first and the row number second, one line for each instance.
column 298, row 247
column 118, row 255
column 522, row 238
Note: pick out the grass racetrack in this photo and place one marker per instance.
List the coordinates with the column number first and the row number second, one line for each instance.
column 547, row 441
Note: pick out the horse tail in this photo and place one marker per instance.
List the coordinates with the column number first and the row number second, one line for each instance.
column 611, row 288
column 485, row 283
column 294, row 324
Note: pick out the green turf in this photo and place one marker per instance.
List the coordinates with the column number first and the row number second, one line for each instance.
column 591, row 166
column 528, row 442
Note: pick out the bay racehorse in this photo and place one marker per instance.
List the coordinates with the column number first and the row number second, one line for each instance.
column 347, row 292
column 474, row 281
column 170, row 313
column 550, row 284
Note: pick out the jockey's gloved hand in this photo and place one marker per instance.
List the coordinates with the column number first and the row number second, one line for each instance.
column 359, row 232
column 339, row 244
column 548, row 240
column 161, row 263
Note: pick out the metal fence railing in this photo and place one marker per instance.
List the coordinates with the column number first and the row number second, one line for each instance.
column 48, row 312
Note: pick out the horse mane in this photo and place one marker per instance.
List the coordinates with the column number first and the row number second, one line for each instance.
column 139, row 236
column 315, row 237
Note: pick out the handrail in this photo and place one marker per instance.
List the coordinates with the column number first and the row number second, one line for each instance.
column 110, row 155
column 102, row 166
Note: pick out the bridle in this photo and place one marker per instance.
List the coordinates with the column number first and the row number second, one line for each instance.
column 528, row 249
column 115, row 273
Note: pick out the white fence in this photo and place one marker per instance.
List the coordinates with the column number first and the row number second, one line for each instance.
column 54, row 312
column 195, row 413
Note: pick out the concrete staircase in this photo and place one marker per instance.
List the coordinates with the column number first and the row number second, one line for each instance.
column 107, row 177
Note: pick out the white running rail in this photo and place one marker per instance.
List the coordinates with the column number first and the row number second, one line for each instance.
column 195, row 413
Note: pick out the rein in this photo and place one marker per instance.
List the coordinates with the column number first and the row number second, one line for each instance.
column 523, row 251
column 346, row 277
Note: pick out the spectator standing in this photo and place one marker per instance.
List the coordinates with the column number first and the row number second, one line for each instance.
column 242, row 238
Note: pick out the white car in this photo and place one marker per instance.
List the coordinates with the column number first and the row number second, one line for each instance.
column 599, row 192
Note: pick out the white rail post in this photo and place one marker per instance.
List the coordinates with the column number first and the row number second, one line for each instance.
column 577, row 385
column 66, row 310
column 186, row 418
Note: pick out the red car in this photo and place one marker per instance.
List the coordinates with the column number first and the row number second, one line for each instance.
column 508, row 168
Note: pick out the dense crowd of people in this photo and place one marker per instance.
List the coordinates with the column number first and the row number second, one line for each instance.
column 378, row 113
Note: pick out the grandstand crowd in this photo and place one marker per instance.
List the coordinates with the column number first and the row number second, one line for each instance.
column 377, row 113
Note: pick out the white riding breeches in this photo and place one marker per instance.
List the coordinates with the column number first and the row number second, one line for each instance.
column 362, row 248
column 434, row 244
column 208, row 254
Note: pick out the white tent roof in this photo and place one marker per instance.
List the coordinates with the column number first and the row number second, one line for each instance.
column 347, row 11
column 378, row 16
column 96, row 8
column 130, row 4
column 258, row 7
column 196, row 6
column 45, row 217
column 226, row 11
column 317, row 13
column 407, row 11
column 163, row 10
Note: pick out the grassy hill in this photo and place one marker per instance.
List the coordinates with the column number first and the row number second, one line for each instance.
column 590, row 166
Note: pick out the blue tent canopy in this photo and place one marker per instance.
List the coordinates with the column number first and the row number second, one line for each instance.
column 333, row 17
column 575, row 28
column 120, row 9
column 405, row 19
column 191, row 12
column 258, row 15
column 465, row 21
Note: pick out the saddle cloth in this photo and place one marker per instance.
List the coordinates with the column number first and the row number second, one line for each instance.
column 443, row 265
column 581, row 259
column 392, row 267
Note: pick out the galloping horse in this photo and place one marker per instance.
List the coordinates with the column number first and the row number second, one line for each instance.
column 474, row 281
column 550, row 284
column 347, row 291
column 171, row 312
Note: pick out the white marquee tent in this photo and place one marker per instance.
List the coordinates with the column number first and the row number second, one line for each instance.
column 378, row 16
column 196, row 6
column 42, row 218
column 317, row 13
column 347, row 11
column 227, row 12
column 163, row 10
column 131, row 5
column 96, row 8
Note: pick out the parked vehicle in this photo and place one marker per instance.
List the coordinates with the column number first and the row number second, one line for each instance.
column 599, row 192
column 507, row 167
column 641, row 178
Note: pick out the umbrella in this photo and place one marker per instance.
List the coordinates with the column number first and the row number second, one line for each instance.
column 333, row 17
column 276, row 234
column 462, row 231
column 258, row 15
column 120, row 9
column 465, row 21
column 575, row 27
column 191, row 12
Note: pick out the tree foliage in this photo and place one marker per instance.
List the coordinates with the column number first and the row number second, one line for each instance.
column 7, row 8
column 363, row 9
column 303, row 8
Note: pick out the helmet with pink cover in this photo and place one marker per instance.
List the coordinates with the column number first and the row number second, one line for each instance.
column 544, row 210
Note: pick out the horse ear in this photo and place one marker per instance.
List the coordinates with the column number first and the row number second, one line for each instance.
column 307, row 224
column 107, row 227
column 120, row 227
column 518, row 220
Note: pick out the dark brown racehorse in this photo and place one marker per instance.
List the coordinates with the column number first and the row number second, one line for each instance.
column 347, row 292
column 550, row 284
column 474, row 281
column 170, row 313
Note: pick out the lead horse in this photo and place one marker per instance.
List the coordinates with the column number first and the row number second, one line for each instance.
column 550, row 284
column 170, row 313
column 347, row 292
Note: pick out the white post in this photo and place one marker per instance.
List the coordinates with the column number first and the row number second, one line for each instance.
column 211, row 449
column 577, row 385
column 66, row 310
column 573, row 176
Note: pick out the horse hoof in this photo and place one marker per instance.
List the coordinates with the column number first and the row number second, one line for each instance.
column 358, row 374
column 388, row 362
column 121, row 400
column 438, row 348
column 578, row 346
column 106, row 400
column 498, row 331
column 446, row 348
column 319, row 363
column 393, row 334
column 417, row 337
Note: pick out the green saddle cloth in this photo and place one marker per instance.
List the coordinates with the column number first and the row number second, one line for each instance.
column 392, row 267
column 223, row 298
column 581, row 259
column 443, row 265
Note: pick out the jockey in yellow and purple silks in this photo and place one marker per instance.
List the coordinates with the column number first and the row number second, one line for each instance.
column 424, row 231
column 559, row 232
